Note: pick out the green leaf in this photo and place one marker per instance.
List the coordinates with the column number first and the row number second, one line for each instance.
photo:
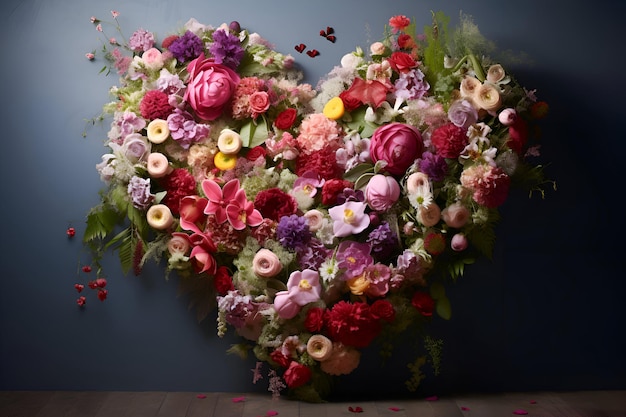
column 253, row 134
column 437, row 291
column 100, row 223
column 355, row 173
column 444, row 310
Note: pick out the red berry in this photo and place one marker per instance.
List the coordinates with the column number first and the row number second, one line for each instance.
column 70, row 232
column 87, row 269
column 102, row 294
column 79, row 287
column 81, row 301
column 101, row 282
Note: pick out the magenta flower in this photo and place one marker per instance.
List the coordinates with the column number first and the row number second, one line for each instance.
column 303, row 287
column 349, row 218
column 353, row 258
column 192, row 214
column 308, row 183
column 241, row 212
column 219, row 198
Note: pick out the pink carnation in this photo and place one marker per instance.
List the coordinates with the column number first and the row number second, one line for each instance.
column 489, row 184
column 318, row 131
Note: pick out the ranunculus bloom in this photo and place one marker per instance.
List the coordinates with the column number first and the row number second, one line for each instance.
column 229, row 141
column 382, row 192
column 423, row 303
column 469, row 87
column 158, row 166
column 455, row 215
column 297, row 375
column 315, row 219
column 429, row 215
column 488, row 97
column 398, row 145
column 266, row 264
column 159, row 217
column 210, row 87
column 179, row 243
column 319, row 347
column 495, row 73
column 158, row 131
column 343, row 360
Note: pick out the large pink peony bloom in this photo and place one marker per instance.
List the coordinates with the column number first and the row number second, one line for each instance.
column 398, row 145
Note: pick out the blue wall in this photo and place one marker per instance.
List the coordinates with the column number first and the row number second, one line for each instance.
column 547, row 313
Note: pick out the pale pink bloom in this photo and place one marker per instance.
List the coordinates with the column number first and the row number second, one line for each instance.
column 90, row 56
column 303, row 287
column 99, row 27
column 115, row 13
column 192, row 213
column 349, row 218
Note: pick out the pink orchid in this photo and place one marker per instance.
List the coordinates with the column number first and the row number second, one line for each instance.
column 349, row 218
column 303, row 287
column 201, row 254
column 219, row 198
column 241, row 212
column 192, row 212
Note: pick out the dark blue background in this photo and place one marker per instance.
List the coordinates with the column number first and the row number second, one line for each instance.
column 547, row 313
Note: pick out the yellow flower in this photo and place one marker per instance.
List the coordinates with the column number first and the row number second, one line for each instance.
column 224, row 162
column 334, row 108
column 358, row 285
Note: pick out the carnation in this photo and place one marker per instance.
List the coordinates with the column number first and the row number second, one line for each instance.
column 318, row 131
column 322, row 162
column 187, row 47
column 352, row 324
column 490, row 185
column 178, row 184
column 274, row 203
column 293, row 231
column 155, row 105
column 449, row 140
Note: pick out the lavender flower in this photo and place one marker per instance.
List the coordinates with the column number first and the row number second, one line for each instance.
column 293, row 232
column 433, row 165
column 411, row 85
column 185, row 130
column 141, row 40
column 312, row 255
column 139, row 192
column 353, row 258
column 187, row 47
column 226, row 49
column 462, row 114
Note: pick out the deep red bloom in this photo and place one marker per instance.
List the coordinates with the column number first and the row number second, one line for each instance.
column 256, row 153
column 286, row 119
column 350, row 102
column 424, row 303
column 322, row 162
column 406, row 41
column 155, row 105
column 222, row 281
column 81, row 301
column 383, row 310
column 102, row 294
column 297, row 375
column 401, row 62
column 518, row 135
column 86, row 269
column 278, row 357
column 449, row 140
column 274, row 203
column 71, row 232
column 332, row 188
column 352, row 324
column 168, row 41
column 314, row 321
column 79, row 287
column 178, row 184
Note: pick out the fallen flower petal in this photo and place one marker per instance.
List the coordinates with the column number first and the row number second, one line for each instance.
column 395, row 408
column 271, row 413
column 201, row 396
column 86, row 269
column 79, row 287
column 355, row 409
column 533, row 402
column 520, row 412
column 432, row 398
column 239, row 399
column 465, row 409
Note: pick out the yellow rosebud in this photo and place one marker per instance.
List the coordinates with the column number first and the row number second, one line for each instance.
column 358, row 285
column 224, row 162
column 334, row 109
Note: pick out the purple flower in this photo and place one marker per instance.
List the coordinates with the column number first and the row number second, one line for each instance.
column 348, row 194
column 226, row 49
column 349, row 218
column 383, row 241
column 411, row 85
column 353, row 257
column 237, row 307
column 185, row 130
column 462, row 114
column 187, row 47
column 313, row 254
column 433, row 165
column 141, row 40
column 139, row 192
column 293, row 231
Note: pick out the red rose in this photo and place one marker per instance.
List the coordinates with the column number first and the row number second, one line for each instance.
column 274, row 203
column 406, row 41
column 223, row 281
column 278, row 357
column 401, row 62
column 449, row 140
column 286, row 119
column 314, row 319
column 397, row 144
column 383, row 310
column 372, row 92
column 297, row 375
column 424, row 303
column 210, row 88
column 256, row 153
column 350, row 102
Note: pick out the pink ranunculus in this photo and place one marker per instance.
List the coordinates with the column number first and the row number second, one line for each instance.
column 210, row 88
column 266, row 264
column 382, row 192
column 455, row 215
column 398, row 145
column 179, row 243
column 429, row 215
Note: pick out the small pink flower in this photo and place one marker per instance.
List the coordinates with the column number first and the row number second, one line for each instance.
column 90, row 56
column 93, row 19
column 349, row 218
column 192, row 214
column 303, row 287
column 99, row 27
column 113, row 41
column 382, row 192
column 219, row 198
column 115, row 13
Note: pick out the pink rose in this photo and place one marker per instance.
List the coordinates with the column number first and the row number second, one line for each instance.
column 266, row 264
column 210, row 87
column 259, row 103
column 179, row 244
column 459, row 242
column 429, row 215
column 455, row 215
column 382, row 192
column 398, row 145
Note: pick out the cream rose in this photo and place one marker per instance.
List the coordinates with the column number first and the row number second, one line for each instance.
column 315, row 220
column 229, row 142
column 344, row 359
column 488, row 97
column 158, row 131
column 377, row 48
column 469, row 87
column 429, row 215
column 266, row 264
column 319, row 347
column 159, row 217
column 158, row 166
column 495, row 73
column 455, row 215
column 178, row 244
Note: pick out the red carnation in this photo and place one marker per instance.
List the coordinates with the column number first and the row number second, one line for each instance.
column 178, row 184
column 278, row 357
column 424, row 303
column 155, row 105
column 352, row 324
column 223, row 281
column 274, row 203
column 332, row 188
column 518, row 135
column 168, row 41
column 450, row 140
column 322, row 162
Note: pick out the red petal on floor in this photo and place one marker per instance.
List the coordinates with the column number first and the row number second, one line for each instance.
column 520, row 412
column 239, row 399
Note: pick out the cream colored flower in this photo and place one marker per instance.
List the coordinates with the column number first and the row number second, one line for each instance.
column 158, row 131
column 160, row 217
column 158, row 166
column 319, row 347
column 429, row 215
column 488, row 97
column 495, row 73
column 469, row 87
column 229, row 142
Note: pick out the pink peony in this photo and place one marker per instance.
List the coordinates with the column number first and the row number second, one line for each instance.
column 398, row 145
column 382, row 192
column 210, row 88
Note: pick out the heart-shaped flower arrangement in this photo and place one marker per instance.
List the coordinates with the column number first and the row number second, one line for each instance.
column 316, row 220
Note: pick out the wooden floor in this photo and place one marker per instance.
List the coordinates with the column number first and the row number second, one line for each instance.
column 189, row 404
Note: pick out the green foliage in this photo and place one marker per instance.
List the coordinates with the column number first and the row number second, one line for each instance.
column 434, row 347
column 101, row 221
column 436, row 48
